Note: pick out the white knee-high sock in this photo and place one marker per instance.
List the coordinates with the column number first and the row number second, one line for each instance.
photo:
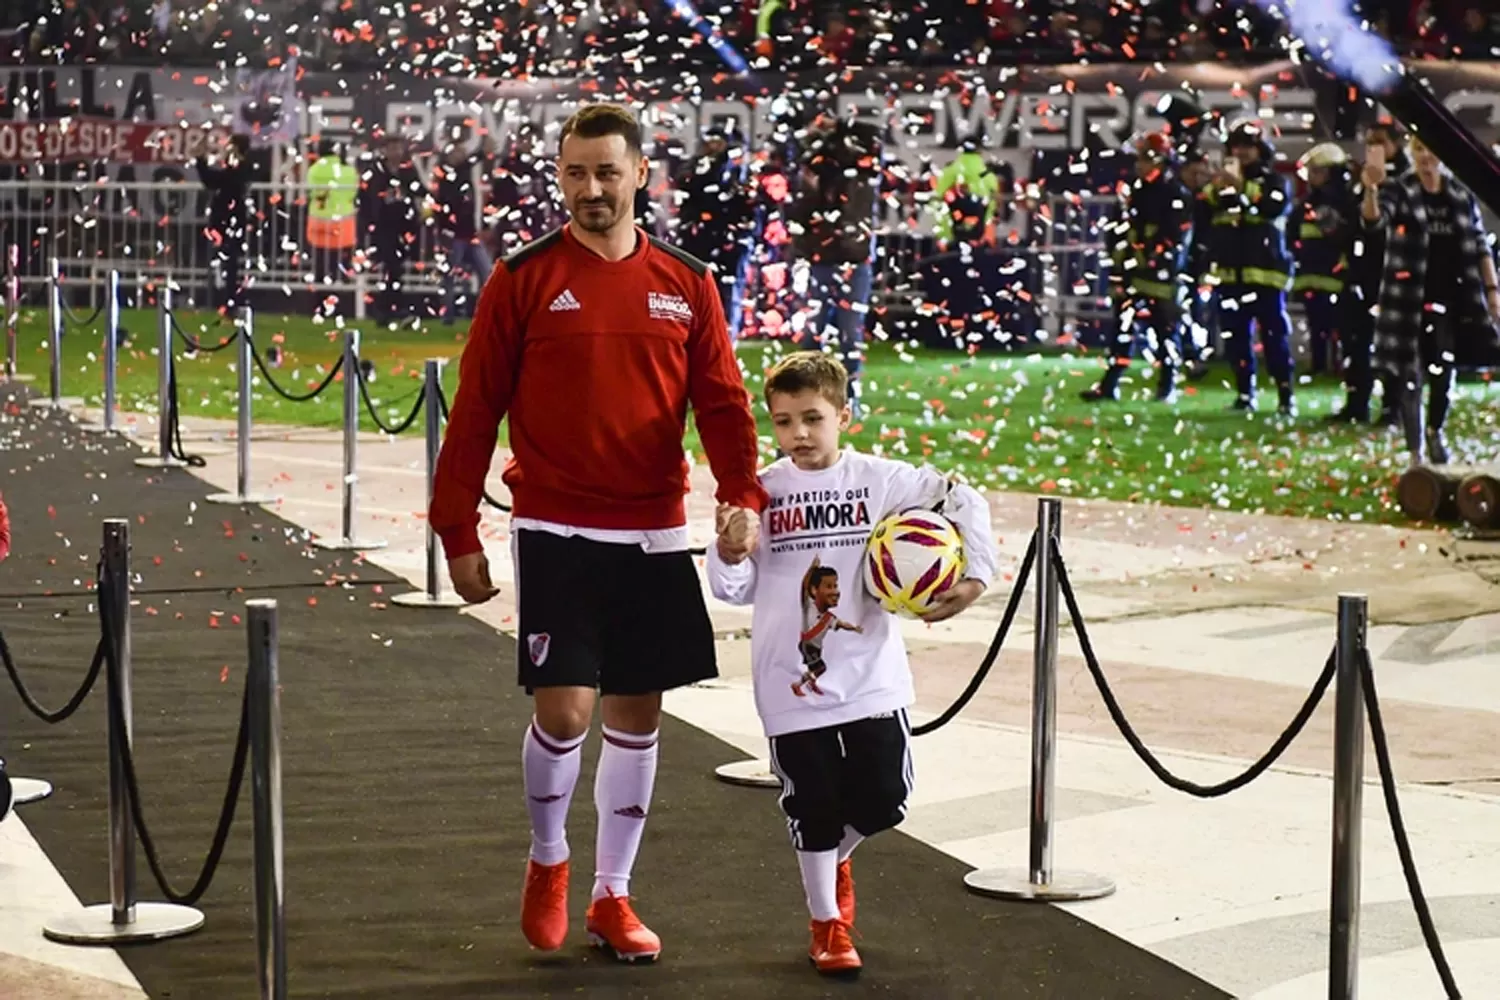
column 852, row 839
column 622, row 794
column 820, row 881
column 551, row 768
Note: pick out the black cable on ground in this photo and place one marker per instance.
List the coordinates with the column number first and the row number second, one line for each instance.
column 122, row 746
column 195, row 345
column 1157, row 768
column 295, row 398
column 411, row 418
column 32, row 705
column 1398, row 830
column 505, row 507
column 993, row 653
column 174, row 414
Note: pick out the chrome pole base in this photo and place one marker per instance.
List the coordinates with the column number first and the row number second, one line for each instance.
column 61, row 403
column 750, row 773
column 348, row 544
column 121, row 429
column 96, row 925
column 158, row 462
column 1015, row 883
column 422, row 599
column 248, row 500
column 24, row 790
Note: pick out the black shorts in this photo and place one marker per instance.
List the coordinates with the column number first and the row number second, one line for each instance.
column 858, row 774
column 611, row 616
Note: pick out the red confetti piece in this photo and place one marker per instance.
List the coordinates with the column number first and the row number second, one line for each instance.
column 224, row 673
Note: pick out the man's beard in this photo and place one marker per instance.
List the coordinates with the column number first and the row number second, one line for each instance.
column 601, row 220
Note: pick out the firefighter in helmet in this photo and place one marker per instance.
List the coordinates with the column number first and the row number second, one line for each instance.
column 1148, row 278
column 1249, row 262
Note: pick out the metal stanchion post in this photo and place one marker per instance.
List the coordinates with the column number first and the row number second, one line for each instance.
column 123, row 919
column 1348, row 799
column 433, row 596
column 12, row 310
column 347, row 541
column 1038, row 881
column 244, row 368
column 165, row 364
column 265, row 783
column 106, row 424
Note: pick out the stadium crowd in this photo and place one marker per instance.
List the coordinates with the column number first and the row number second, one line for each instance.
column 564, row 37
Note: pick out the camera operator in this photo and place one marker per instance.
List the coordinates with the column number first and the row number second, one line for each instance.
column 1440, row 286
column 835, row 234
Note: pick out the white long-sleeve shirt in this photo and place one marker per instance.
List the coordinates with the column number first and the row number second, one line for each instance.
column 834, row 632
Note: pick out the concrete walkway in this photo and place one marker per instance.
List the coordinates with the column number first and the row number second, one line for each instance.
column 1211, row 628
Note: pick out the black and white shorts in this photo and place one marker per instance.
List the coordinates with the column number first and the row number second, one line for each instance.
column 611, row 616
column 857, row 774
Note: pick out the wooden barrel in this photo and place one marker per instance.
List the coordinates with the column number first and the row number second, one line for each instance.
column 1430, row 492
column 1478, row 499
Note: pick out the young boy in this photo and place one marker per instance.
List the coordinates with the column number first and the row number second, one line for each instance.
column 833, row 690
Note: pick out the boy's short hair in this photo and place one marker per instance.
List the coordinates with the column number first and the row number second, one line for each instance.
column 812, row 371
column 595, row 121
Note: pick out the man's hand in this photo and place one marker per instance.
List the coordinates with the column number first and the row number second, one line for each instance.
column 1372, row 175
column 739, row 532
column 953, row 600
column 1493, row 299
column 471, row 578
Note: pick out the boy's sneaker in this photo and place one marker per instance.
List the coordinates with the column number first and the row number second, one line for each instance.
column 831, row 951
column 614, row 927
column 544, row 905
column 844, row 889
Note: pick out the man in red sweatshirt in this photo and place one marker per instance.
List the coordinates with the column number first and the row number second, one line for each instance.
column 4, row 530
column 593, row 341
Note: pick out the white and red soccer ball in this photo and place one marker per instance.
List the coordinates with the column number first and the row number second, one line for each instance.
column 912, row 557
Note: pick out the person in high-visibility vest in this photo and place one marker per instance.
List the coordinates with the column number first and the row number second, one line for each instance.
column 333, row 188
column 967, row 197
column 1321, row 244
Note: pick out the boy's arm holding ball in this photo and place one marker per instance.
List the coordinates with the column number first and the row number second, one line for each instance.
column 970, row 514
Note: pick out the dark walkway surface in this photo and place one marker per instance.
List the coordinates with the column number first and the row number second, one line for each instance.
column 405, row 830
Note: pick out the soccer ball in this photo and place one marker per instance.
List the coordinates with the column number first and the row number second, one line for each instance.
column 912, row 557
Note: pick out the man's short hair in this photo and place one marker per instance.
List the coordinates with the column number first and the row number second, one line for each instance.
column 595, row 121
column 810, row 371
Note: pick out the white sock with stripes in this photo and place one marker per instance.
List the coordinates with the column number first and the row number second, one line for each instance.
column 622, row 794
column 550, row 767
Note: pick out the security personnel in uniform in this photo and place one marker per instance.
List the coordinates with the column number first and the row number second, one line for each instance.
column 1249, row 262
column 1325, row 232
column 1150, row 248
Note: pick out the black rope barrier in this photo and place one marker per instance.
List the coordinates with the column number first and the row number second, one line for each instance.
column 505, row 507
column 122, row 746
column 993, row 653
column 71, row 318
column 1123, row 724
column 294, row 397
column 174, row 415
column 1398, row 829
column 195, row 345
column 411, row 418
column 34, row 706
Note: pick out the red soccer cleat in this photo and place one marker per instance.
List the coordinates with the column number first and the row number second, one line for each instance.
column 845, row 891
column 544, row 905
column 614, row 927
column 831, row 951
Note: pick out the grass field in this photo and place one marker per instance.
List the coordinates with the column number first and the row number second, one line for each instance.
column 1008, row 422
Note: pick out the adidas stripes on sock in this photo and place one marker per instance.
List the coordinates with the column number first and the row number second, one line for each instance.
column 622, row 794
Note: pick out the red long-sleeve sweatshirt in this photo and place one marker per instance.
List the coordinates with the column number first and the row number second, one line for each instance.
column 595, row 363
column 4, row 530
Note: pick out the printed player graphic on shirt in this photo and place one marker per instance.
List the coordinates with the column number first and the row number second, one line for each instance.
column 820, row 595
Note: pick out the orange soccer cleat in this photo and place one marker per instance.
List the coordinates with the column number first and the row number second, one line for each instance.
column 614, row 927
column 544, row 905
column 831, row 951
column 845, row 891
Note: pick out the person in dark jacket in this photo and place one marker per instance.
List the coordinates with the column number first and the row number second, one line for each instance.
column 1150, row 274
column 717, row 216
column 835, row 234
column 1250, row 264
column 1440, row 285
column 1367, row 270
column 1327, row 222
column 1200, row 335
column 388, row 219
column 228, row 218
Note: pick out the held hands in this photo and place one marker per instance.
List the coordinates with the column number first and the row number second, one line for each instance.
column 471, row 578
column 953, row 600
column 739, row 532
